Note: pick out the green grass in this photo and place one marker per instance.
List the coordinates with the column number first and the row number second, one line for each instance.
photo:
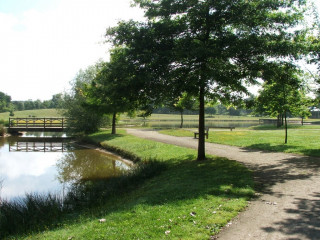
column 187, row 200
column 301, row 139
column 37, row 113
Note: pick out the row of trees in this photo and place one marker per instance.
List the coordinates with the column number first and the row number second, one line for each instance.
column 5, row 102
column 7, row 105
column 55, row 102
column 203, row 51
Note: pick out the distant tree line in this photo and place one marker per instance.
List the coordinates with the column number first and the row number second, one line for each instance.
column 5, row 102
column 7, row 105
column 218, row 109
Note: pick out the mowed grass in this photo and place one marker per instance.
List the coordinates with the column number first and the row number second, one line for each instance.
column 188, row 200
column 36, row 113
column 303, row 140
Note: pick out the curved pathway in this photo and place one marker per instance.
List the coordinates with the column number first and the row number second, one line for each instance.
column 288, row 206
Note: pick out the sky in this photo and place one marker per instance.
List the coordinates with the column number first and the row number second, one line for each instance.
column 44, row 43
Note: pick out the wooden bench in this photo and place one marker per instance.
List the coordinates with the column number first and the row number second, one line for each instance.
column 226, row 128
column 207, row 131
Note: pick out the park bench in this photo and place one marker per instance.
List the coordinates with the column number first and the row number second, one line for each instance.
column 226, row 128
column 207, row 131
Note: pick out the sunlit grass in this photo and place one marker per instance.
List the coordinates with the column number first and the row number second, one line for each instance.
column 30, row 113
column 187, row 200
column 301, row 139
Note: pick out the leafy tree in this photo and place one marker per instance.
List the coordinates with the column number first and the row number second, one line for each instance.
column 82, row 119
column 282, row 92
column 112, row 91
column 5, row 102
column 18, row 105
column 56, row 101
column 185, row 102
column 210, row 49
column 29, row 105
column 302, row 106
column 211, row 110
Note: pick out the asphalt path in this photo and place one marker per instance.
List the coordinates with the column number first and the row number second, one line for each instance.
column 288, row 202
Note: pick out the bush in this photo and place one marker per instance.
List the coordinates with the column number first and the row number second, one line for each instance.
column 2, row 130
column 34, row 212
column 94, row 192
column 38, row 212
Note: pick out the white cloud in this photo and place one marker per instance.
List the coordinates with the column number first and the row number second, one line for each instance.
column 42, row 51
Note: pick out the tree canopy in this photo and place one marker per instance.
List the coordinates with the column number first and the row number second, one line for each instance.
column 211, row 49
column 283, row 92
column 82, row 119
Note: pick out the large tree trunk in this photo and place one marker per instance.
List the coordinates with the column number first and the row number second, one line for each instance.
column 201, row 142
column 113, row 131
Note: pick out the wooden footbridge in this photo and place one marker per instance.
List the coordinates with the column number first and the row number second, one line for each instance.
column 37, row 124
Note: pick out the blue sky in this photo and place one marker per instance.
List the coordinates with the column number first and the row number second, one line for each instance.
column 44, row 43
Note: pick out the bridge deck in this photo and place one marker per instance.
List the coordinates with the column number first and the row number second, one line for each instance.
column 37, row 124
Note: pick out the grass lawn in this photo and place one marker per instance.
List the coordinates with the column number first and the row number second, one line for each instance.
column 301, row 139
column 187, row 200
column 36, row 113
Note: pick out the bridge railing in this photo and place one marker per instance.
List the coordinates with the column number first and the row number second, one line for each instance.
column 38, row 123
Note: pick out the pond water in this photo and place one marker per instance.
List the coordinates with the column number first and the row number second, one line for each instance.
column 42, row 163
column 194, row 124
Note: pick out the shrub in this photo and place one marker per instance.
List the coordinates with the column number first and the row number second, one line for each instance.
column 2, row 130
column 37, row 212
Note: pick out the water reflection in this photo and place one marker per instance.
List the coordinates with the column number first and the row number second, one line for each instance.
column 194, row 124
column 88, row 164
column 43, row 144
column 27, row 169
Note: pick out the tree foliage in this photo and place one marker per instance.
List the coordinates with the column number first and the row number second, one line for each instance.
column 82, row 119
column 5, row 102
column 183, row 103
column 113, row 90
column 209, row 49
column 283, row 92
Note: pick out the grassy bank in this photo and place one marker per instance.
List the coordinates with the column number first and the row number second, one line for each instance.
column 301, row 139
column 186, row 200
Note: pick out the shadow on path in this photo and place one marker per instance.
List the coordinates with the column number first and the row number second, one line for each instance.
column 304, row 221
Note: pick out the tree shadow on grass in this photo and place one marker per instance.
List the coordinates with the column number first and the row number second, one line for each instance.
column 192, row 179
column 102, row 136
column 315, row 152
column 176, row 183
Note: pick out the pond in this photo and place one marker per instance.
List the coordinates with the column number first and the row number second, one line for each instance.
column 43, row 162
column 194, row 123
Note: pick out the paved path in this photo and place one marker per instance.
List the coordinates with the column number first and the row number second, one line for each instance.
column 289, row 203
